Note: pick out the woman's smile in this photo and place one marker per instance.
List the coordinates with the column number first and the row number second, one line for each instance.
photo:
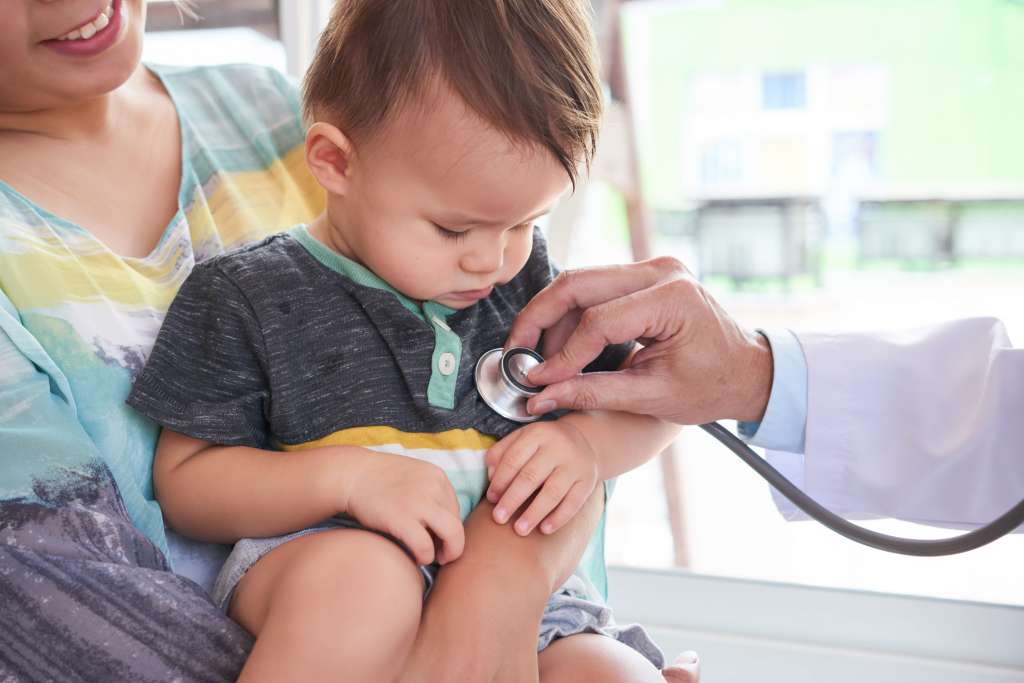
column 93, row 36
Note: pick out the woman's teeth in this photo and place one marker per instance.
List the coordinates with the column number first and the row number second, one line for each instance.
column 88, row 30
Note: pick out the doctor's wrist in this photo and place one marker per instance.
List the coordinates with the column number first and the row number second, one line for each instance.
column 757, row 369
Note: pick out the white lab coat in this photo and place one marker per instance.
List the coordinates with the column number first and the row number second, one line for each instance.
column 926, row 426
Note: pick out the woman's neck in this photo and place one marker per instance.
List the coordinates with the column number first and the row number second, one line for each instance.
column 94, row 119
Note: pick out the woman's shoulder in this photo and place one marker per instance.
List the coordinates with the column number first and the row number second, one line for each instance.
column 248, row 81
column 234, row 106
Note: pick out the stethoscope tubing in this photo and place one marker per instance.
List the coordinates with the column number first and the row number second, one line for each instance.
column 975, row 538
column 501, row 384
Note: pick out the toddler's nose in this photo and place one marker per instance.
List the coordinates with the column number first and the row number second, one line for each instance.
column 484, row 259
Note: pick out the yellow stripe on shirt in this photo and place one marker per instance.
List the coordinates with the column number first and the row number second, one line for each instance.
column 451, row 440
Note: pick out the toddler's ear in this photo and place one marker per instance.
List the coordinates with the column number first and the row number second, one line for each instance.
column 329, row 155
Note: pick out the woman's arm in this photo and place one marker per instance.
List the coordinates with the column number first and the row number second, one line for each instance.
column 68, row 541
column 481, row 620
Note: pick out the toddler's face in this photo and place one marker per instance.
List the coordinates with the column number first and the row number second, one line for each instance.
column 441, row 205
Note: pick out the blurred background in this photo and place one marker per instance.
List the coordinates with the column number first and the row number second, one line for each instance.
column 821, row 165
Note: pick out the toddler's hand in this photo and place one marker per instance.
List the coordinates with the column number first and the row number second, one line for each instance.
column 551, row 458
column 409, row 499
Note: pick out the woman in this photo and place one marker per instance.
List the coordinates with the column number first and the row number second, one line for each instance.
column 115, row 179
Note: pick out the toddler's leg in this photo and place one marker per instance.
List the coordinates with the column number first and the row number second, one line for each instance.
column 338, row 605
column 589, row 657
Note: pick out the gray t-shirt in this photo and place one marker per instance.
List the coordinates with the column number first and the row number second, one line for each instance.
column 285, row 342
column 288, row 345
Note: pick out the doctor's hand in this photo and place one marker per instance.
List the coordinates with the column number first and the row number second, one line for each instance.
column 696, row 365
column 553, row 460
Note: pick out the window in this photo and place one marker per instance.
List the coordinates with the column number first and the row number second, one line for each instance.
column 916, row 207
column 260, row 15
column 223, row 31
column 722, row 162
column 786, row 90
column 854, row 154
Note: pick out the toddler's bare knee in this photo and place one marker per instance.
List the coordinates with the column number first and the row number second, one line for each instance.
column 357, row 597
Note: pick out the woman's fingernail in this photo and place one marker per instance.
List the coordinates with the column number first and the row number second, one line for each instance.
column 501, row 514
column 542, row 407
column 545, row 528
column 522, row 527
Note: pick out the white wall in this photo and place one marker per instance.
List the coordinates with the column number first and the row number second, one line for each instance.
column 301, row 23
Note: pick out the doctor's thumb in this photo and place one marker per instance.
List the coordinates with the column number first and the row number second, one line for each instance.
column 591, row 391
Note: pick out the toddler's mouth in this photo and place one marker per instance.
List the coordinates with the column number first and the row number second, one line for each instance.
column 473, row 294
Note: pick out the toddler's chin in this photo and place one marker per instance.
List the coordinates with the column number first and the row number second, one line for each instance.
column 457, row 304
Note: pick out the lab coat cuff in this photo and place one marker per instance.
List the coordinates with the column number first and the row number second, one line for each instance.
column 785, row 420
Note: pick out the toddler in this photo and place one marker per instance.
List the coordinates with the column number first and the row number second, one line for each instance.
column 440, row 131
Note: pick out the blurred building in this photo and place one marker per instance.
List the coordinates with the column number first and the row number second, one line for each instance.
column 899, row 121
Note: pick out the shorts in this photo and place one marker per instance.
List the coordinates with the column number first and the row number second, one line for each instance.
column 574, row 608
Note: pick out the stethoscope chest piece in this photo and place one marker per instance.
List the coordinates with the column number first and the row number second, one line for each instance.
column 502, row 384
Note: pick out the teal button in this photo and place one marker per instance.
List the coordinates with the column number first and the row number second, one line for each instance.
column 446, row 359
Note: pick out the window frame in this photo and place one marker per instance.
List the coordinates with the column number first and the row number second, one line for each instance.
column 260, row 15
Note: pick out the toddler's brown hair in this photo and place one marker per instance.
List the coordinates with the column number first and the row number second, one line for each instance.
column 527, row 67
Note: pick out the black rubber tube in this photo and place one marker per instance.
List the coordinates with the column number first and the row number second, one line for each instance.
column 975, row 538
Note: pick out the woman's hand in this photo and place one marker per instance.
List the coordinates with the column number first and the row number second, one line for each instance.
column 406, row 498
column 553, row 460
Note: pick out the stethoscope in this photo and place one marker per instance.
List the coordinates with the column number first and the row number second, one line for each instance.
column 501, row 381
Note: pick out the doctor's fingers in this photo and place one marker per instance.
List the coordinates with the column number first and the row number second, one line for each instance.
column 583, row 288
column 622, row 390
column 654, row 314
column 555, row 336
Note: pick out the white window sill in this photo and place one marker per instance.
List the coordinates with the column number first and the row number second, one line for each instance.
column 747, row 630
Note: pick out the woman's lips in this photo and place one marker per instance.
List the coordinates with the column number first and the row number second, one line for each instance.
column 99, row 42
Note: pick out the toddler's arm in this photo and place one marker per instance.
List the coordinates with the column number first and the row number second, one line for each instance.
column 622, row 441
column 223, row 493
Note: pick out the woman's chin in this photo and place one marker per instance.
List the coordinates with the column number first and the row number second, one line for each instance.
column 98, row 79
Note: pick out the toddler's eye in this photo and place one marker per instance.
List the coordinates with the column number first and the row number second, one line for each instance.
column 451, row 234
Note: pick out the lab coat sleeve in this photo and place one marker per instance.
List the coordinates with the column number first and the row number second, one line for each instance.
column 925, row 425
column 782, row 426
